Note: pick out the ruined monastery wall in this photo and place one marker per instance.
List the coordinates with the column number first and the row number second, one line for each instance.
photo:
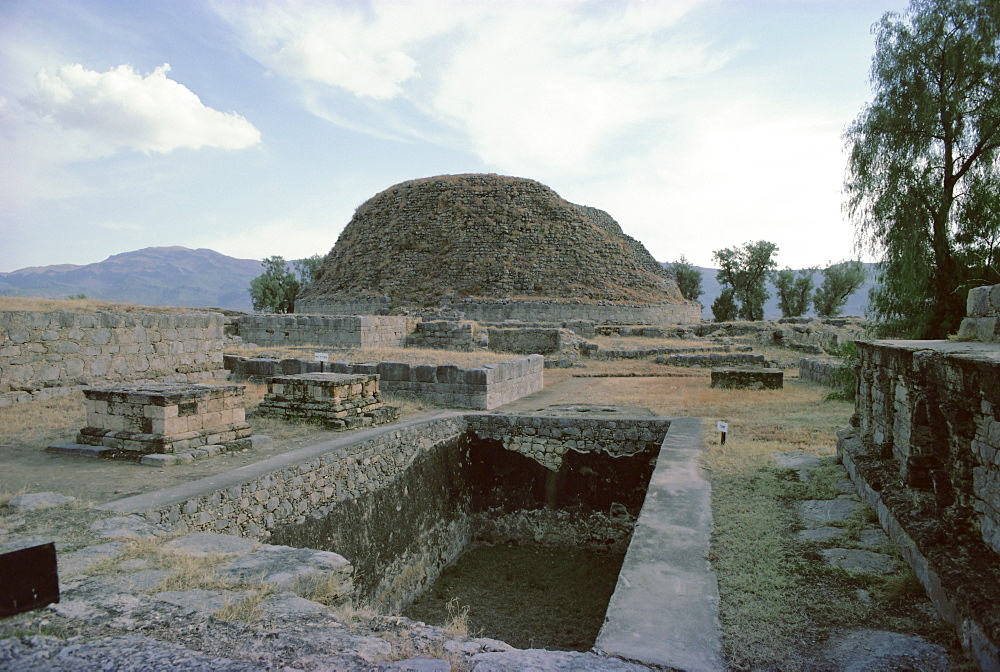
column 350, row 331
column 933, row 407
column 482, row 388
column 44, row 354
column 485, row 310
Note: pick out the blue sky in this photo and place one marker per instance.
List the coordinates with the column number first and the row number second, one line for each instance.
column 256, row 128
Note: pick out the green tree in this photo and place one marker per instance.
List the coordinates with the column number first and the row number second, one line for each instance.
column 922, row 177
column 794, row 290
column 309, row 269
column 724, row 307
column 688, row 279
column 839, row 282
column 275, row 289
column 746, row 269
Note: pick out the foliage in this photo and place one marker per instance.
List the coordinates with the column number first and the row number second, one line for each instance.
column 275, row 289
column 794, row 290
column 845, row 380
column 839, row 282
column 745, row 269
column 309, row 269
column 76, row 297
column 688, row 279
column 724, row 307
column 923, row 182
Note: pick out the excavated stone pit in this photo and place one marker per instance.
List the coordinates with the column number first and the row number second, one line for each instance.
column 516, row 507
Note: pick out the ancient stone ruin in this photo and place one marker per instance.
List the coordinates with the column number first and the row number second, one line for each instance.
column 161, row 419
column 334, row 400
column 492, row 248
column 926, row 457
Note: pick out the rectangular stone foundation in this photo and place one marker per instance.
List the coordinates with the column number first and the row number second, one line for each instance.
column 164, row 418
column 748, row 379
column 334, row 400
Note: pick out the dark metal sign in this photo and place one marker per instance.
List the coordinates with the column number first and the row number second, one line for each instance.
column 28, row 579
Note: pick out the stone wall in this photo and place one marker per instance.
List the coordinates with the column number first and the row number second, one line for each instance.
column 607, row 312
column 933, row 408
column 444, row 334
column 46, row 353
column 482, row 388
column 348, row 331
column 400, row 502
column 525, row 341
column 547, row 440
column 530, row 311
column 822, row 371
column 983, row 310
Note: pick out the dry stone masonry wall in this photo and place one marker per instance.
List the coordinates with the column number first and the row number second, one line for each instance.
column 444, row 334
column 926, row 458
column 546, row 440
column 349, row 331
column 164, row 418
column 482, row 388
column 934, row 408
column 47, row 353
column 983, row 310
column 821, row 371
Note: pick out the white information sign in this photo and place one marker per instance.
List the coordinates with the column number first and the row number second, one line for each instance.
column 322, row 356
column 722, row 426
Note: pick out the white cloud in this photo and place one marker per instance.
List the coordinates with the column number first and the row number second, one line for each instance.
column 151, row 113
column 526, row 86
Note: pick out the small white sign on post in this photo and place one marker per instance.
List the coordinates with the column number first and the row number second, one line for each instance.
column 722, row 426
column 322, row 356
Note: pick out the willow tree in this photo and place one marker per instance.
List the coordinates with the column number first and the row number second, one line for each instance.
column 922, row 178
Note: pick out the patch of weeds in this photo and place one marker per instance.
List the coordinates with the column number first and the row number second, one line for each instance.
column 845, row 379
column 822, row 481
column 355, row 617
column 458, row 619
column 326, row 589
column 246, row 610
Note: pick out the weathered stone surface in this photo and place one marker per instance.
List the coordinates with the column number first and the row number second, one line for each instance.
column 796, row 460
column 828, row 510
column 126, row 652
column 540, row 660
column 821, row 534
column 748, row 379
column 46, row 354
column 860, row 561
column 39, row 500
column 876, row 651
column 205, row 544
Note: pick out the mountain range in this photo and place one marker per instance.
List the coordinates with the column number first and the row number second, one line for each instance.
column 154, row 276
column 179, row 276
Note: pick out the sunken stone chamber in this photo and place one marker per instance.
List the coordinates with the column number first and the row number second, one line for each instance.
column 335, row 400
column 164, row 418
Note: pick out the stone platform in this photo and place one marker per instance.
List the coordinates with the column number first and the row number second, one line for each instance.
column 748, row 379
column 163, row 419
column 334, row 400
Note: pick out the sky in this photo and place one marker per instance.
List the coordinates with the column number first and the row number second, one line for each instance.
column 255, row 127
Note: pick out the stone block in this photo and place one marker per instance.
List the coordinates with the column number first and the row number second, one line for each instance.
column 748, row 379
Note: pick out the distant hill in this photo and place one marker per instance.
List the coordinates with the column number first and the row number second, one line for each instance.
column 857, row 303
column 154, row 276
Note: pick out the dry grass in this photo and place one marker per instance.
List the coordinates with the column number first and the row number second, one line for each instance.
column 42, row 422
column 82, row 305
